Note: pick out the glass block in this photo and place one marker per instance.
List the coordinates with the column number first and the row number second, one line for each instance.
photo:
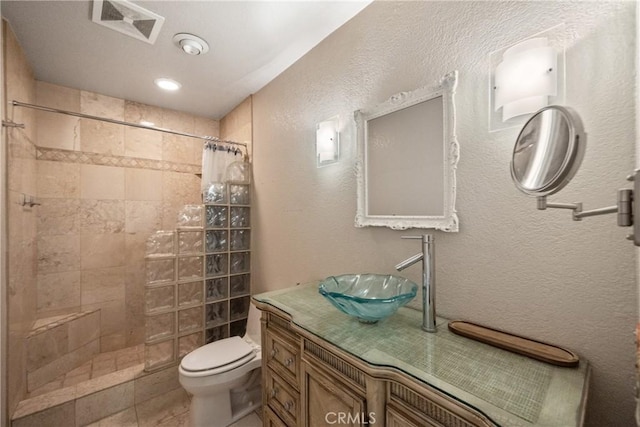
column 216, row 334
column 216, row 314
column 217, row 216
column 240, row 240
column 189, row 293
column 159, row 326
column 240, row 262
column 161, row 270
column 190, row 319
column 190, row 242
column 238, row 173
column 239, row 195
column 217, row 289
column 158, row 354
column 188, row 343
column 239, row 307
column 189, row 267
column 239, row 285
column 216, row 241
column 239, row 217
column 190, row 216
column 215, row 193
column 161, row 243
column 216, row 265
column 237, row 328
column 159, row 299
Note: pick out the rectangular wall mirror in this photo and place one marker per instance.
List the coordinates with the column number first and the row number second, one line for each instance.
column 407, row 159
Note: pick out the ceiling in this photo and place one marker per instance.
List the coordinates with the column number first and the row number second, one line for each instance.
column 251, row 42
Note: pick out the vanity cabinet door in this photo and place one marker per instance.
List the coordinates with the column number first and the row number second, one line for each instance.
column 326, row 401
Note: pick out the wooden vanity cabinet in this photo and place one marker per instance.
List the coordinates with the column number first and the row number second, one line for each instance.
column 308, row 382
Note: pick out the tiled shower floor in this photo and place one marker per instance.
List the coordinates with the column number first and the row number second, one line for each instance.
column 102, row 364
column 169, row 409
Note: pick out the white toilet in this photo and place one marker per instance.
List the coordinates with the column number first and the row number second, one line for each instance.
column 224, row 377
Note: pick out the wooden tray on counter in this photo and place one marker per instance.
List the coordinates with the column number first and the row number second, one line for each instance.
column 527, row 347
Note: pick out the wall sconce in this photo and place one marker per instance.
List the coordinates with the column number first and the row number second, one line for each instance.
column 327, row 142
column 526, row 77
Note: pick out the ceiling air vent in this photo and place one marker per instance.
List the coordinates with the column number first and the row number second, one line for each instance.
column 127, row 18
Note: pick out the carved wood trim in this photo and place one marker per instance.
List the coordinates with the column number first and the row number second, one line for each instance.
column 277, row 320
column 436, row 407
column 328, row 359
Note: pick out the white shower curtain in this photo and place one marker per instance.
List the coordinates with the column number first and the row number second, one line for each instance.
column 216, row 160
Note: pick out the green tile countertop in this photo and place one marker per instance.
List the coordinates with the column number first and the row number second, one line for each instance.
column 510, row 389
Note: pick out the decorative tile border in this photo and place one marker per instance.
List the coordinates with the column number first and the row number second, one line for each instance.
column 71, row 156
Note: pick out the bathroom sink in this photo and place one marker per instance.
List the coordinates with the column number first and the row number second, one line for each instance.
column 368, row 297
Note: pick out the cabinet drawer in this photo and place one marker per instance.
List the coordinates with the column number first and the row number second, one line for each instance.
column 271, row 419
column 283, row 357
column 282, row 399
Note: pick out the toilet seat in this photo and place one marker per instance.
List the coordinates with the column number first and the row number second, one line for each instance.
column 218, row 357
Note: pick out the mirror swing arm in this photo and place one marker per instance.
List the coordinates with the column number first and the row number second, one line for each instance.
column 624, row 208
column 547, row 154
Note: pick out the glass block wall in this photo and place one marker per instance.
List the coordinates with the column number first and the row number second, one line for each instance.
column 198, row 276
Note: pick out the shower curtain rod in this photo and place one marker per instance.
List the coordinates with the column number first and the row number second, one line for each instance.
column 120, row 122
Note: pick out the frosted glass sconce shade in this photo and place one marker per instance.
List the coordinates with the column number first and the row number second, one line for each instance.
column 327, row 142
column 526, row 78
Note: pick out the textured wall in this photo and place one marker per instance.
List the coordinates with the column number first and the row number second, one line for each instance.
column 102, row 199
column 236, row 125
column 533, row 273
column 21, row 222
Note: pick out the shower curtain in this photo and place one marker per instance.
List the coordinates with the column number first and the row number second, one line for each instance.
column 222, row 164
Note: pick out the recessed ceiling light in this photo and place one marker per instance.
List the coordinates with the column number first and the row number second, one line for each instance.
column 167, row 84
column 190, row 44
column 146, row 123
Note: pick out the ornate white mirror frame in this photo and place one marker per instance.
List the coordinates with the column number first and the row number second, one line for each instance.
column 448, row 219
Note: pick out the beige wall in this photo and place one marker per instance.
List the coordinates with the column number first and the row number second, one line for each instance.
column 237, row 124
column 101, row 201
column 512, row 267
column 21, row 225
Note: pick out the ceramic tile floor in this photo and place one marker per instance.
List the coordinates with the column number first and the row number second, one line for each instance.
column 102, row 364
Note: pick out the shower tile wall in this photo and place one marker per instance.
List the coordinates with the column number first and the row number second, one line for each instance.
column 21, row 222
column 98, row 209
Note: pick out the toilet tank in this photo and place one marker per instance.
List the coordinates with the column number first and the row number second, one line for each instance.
column 253, row 324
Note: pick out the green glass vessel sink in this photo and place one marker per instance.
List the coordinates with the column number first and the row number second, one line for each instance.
column 368, row 297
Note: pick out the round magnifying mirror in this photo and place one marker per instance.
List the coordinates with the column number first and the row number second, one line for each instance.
column 548, row 151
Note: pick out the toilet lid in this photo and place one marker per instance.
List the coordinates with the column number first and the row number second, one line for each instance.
column 218, row 354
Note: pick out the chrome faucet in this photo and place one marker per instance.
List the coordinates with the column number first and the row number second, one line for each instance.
column 427, row 256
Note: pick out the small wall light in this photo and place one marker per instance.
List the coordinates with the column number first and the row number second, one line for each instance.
column 526, row 77
column 327, row 142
